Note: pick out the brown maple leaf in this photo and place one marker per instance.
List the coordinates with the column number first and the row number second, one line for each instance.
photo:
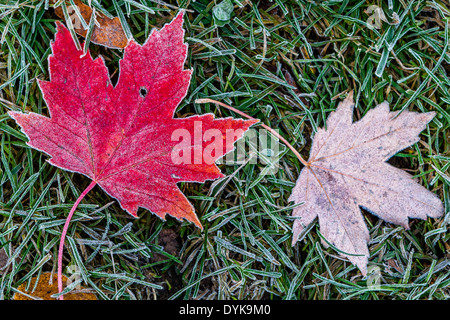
column 347, row 169
column 108, row 32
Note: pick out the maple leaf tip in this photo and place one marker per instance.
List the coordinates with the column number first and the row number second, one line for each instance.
column 296, row 232
column 198, row 224
column 429, row 116
column 180, row 15
column 176, row 22
column 60, row 27
column 294, row 241
column 349, row 97
column 15, row 114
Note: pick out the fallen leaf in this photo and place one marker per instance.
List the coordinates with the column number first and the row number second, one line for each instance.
column 47, row 286
column 108, row 32
column 122, row 137
column 347, row 169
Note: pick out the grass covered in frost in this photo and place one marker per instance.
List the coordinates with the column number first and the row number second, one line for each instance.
column 288, row 63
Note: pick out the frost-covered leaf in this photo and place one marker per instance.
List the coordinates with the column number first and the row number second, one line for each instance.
column 122, row 137
column 347, row 170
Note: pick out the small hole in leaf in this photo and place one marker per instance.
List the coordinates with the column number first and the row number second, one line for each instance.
column 143, row 92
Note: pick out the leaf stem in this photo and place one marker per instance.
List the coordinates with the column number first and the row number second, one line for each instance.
column 64, row 232
column 303, row 161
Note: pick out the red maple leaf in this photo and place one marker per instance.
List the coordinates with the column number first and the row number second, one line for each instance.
column 123, row 137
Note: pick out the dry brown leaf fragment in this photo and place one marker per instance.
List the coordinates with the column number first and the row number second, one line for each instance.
column 347, row 169
column 108, row 32
column 47, row 286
